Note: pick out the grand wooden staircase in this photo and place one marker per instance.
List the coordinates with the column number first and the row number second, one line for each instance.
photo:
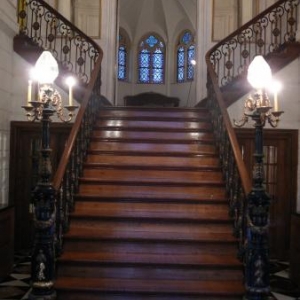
column 151, row 215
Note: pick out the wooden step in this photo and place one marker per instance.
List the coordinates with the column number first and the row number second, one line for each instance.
column 153, row 287
column 154, row 211
column 152, row 148
column 184, row 260
column 149, row 266
column 153, row 192
column 135, row 112
column 154, row 125
column 149, row 231
column 160, row 247
column 94, row 175
column 153, row 136
column 154, row 162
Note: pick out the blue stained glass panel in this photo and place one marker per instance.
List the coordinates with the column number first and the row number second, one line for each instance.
column 190, row 68
column 157, row 75
column 180, row 57
column 152, row 41
column 122, row 56
column 121, row 73
column 151, row 60
column 144, row 75
column 158, row 60
column 145, row 59
column 187, row 38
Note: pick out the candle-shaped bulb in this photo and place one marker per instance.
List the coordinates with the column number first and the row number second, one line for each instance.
column 276, row 87
column 71, row 82
column 29, row 91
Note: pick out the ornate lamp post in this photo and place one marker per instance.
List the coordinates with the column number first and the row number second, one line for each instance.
column 260, row 111
column 48, row 103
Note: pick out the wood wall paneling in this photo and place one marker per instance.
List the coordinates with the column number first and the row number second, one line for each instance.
column 25, row 143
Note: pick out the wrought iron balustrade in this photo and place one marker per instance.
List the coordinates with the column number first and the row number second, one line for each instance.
column 75, row 52
column 227, row 61
column 78, row 54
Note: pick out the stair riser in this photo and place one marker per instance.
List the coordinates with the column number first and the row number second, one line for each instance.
column 147, row 272
column 176, row 248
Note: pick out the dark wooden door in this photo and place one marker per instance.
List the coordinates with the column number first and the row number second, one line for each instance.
column 25, row 144
column 280, row 172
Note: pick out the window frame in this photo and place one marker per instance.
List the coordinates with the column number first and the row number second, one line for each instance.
column 143, row 45
column 124, row 41
column 184, row 66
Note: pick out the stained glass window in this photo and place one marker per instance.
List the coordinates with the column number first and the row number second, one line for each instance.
column 185, row 57
column 123, row 55
column 151, row 63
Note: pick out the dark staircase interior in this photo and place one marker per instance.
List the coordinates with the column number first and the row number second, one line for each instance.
column 151, row 215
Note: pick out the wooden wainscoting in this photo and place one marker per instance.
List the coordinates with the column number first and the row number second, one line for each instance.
column 24, row 158
column 280, row 167
column 6, row 240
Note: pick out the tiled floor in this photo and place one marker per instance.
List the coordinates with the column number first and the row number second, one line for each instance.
column 17, row 285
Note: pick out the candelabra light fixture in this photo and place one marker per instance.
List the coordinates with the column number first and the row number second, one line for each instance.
column 45, row 103
column 260, row 110
column 42, row 95
column 260, row 77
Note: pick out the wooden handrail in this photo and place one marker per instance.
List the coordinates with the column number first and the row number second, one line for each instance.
column 246, row 182
column 75, row 129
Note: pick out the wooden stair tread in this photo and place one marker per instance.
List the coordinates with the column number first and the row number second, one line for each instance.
column 152, row 125
column 119, row 112
column 144, row 136
column 196, row 260
column 152, row 176
column 150, row 232
column 155, row 162
column 152, row 286
column 153, row 192
column 175, row 211
column 151, row 147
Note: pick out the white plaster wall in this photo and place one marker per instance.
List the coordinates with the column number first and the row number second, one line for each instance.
column 289, row 102
column 8, row 29
column 107, row 41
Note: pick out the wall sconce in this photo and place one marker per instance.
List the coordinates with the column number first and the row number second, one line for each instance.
column 45, row 103
column 259, row 109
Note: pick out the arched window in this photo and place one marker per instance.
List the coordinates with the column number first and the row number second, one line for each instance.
column 151, row 59
column 185, row 57
column 123, row 52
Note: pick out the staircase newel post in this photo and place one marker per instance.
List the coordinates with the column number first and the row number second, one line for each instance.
column 47, row 102
column 256, row 257
column 257, row 214
column 43, row 254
